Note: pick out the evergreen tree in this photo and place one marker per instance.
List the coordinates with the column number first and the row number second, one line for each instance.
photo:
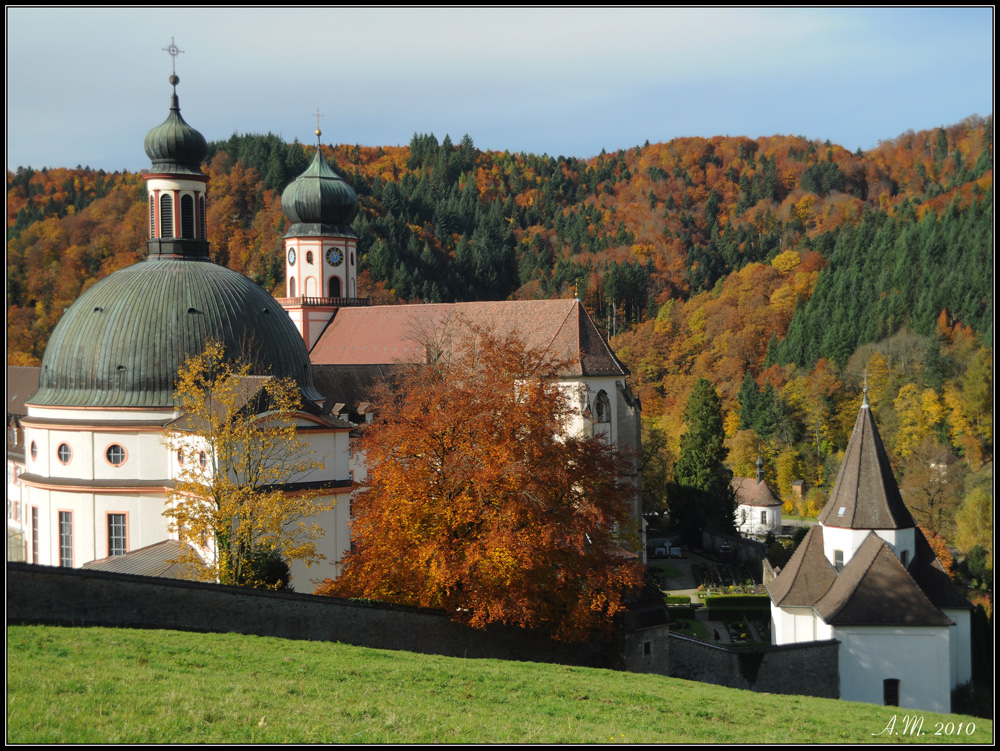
column 701, row 475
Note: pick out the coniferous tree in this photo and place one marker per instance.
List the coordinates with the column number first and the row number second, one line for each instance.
column 701, row 475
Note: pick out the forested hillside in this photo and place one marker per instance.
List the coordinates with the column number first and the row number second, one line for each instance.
column 779, row 268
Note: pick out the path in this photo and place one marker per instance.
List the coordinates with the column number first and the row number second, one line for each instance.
column 685, row 584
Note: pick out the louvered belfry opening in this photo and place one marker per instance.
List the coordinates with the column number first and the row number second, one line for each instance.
column 187, row 217
column 166, row 216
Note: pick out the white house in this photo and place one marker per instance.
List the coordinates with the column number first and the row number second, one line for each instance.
column 758, row 509
column 867, row 577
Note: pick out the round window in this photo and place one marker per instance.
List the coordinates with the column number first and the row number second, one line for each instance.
column 64, row 453
column 34, row 450
column 115, row 454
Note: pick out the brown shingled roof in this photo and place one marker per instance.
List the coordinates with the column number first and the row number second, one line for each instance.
column 875, row 590
column 387, row 334
column 807, row 576
column 752, row 492
column 930, row 575
column 865, row 495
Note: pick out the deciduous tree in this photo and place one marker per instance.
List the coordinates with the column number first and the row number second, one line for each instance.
column 480, row 503
column 239, row 458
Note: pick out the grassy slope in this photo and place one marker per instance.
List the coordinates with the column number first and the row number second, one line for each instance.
column 114, row 686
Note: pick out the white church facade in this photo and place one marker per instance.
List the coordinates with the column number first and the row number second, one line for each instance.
column 95, row 475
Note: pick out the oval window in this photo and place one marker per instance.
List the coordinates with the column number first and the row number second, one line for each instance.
column 64, row 453
column 202, row 460
column 115, row 454
column 180, row 456
column 34, row 450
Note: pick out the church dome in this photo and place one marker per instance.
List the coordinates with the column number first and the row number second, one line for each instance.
column 174, row 146
column 122, row 343
column 319, row 202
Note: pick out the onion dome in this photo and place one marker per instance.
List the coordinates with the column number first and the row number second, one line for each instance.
column 122, row 343
column 175, row 147
column 319, row 202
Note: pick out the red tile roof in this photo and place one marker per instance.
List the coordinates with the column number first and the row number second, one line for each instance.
column 387, row 334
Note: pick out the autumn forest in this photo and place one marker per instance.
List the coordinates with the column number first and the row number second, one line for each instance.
column 786, row 271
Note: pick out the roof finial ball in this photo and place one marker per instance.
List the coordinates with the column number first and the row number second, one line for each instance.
column 173, row 50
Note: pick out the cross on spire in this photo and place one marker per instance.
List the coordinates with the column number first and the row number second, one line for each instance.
column 173, row 50
column 318, row 131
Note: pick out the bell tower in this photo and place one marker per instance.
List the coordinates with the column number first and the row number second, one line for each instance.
column 175, row 186
column 321, row 264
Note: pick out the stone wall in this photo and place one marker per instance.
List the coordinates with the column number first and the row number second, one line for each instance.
column 76, row 597
column 809, row 669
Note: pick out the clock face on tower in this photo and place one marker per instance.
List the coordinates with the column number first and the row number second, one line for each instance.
column 334, row 256
column 291, row 257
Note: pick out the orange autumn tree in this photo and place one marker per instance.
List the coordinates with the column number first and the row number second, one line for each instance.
column 479, row 503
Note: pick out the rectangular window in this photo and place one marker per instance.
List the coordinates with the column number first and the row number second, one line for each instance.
column 66, row 539
column 763, row 517
column 34, row 534
column 117, row 539
column 838, row 560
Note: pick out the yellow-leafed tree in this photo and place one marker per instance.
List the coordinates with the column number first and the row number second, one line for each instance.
column 239, row 458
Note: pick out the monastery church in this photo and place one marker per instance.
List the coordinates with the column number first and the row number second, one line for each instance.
column 88, row 473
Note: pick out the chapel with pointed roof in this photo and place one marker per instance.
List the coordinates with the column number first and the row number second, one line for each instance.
column 867, row 577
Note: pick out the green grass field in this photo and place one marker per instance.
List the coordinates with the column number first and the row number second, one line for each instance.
column 100, row 685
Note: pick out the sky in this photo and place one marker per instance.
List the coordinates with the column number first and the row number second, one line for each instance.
column 84, row 85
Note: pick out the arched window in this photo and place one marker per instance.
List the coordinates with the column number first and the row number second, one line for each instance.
column 602, row 408
column 201, row 217
column 334, row 286
column 152, row 216
column 187, row 217
column 311, row 287
column 166, row 216
column 309, row 257
column 291, row 286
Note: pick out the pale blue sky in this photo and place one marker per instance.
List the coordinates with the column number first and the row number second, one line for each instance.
column 85, row 84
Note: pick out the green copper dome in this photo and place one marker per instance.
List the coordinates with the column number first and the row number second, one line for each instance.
column 123, row 341
column 175, row 147
column 319, row 202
